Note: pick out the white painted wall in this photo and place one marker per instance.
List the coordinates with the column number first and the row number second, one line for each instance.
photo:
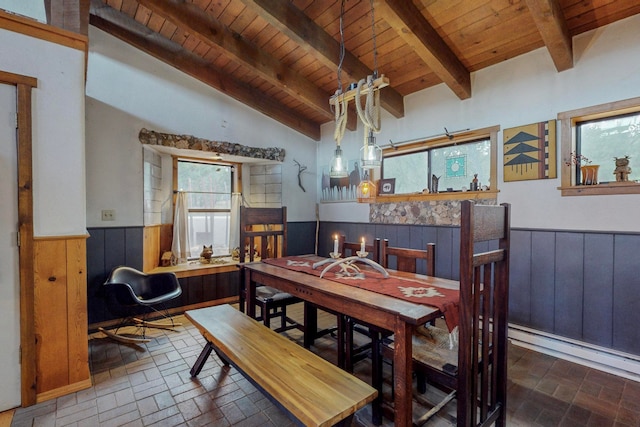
column 524, row 90
column 128, row 90
column 58, row 130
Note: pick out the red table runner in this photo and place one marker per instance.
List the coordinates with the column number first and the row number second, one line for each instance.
column 446, row 300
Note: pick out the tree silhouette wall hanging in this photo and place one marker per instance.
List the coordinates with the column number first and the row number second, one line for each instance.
column 530, row 152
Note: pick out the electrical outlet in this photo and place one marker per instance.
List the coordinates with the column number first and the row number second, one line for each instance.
column 108, row 215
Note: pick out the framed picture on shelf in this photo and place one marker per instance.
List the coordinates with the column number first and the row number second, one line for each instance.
column 387, row 186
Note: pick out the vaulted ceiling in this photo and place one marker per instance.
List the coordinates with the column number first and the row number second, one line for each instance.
column 280, row 57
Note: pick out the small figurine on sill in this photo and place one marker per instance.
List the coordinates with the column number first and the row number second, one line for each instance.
column 434, row 183
column 623, row 169
column 207, row 252
column 165, row 261
column 474, row 183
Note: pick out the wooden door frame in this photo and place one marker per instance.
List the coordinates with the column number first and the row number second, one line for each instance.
column 24, row 86
column 74, row 10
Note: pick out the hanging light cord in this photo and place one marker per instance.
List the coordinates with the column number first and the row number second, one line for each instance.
column 340, row 107
column 370, row 116
column 342, row 48
column 375, row 49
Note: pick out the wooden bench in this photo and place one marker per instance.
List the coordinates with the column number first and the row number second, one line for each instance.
column 310, row 389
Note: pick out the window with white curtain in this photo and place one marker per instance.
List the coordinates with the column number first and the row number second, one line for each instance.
column 209, row 187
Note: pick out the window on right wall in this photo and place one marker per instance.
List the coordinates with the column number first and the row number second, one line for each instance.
column 598, row 148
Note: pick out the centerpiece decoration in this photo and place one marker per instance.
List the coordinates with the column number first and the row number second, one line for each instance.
column 348, row 267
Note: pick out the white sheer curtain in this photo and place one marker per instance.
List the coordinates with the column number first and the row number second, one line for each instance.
column 234, row 222
column 180, row 246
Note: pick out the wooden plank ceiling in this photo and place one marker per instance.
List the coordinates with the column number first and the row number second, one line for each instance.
column 281, row 57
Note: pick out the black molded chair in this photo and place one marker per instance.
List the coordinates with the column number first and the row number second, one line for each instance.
column 263, row 232
column 136, row 297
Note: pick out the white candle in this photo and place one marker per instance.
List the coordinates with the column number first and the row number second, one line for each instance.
column 362, row 245
column 335, row 244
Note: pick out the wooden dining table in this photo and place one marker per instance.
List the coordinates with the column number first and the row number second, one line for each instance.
column 387, row 312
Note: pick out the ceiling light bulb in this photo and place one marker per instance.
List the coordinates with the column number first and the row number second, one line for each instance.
column 338, row 165
column 370, row 153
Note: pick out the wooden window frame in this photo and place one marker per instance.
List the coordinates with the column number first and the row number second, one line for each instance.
column 236, row 180
column 490, row 133
column 568, row 122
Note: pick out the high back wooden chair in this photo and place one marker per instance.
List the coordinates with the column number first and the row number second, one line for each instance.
column 348, row 249
column 263, row 234
column 353, row 353
column 407, row 259
column 476, row 369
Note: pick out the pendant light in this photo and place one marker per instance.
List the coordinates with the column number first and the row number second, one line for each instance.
column 338, row 164
column 370, row 153
column 366, row 188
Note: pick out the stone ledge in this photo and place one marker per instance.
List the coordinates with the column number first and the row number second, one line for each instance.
column 189, row 142
column 435, row 212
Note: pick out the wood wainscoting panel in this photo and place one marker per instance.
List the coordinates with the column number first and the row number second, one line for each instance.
column 50, row 314
column 151, row 252
column 77, row 310
column 60, row 315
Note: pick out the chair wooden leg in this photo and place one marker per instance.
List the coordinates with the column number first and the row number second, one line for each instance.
column 422, row 382
column 342, row 343
column 266, row 315
column 423, row 419
column 348, row 332
column 283, row 317
column 242, row 293
column 376, row 377
column 310, row 327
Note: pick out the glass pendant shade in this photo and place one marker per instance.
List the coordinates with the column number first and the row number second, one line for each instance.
column 366, row 189
column 338, row 165
column 370, row 154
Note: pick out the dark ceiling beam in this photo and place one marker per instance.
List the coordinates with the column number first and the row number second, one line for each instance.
column 291, row 21
column 547, row 14
column 215, row 34
column 405, row 18
column 72, row 15
column 130, row 31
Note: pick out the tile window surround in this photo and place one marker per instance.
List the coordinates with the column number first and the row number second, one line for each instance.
column 265, row 186
column 152, row 187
